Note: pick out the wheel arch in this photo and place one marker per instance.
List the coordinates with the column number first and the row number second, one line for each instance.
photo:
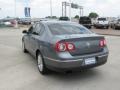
column 37, row 52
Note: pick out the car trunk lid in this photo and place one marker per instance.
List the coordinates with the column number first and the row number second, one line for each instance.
column 84, row 44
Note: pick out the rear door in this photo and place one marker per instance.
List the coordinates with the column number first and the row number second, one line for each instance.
column 34, row 38
column 27, row 38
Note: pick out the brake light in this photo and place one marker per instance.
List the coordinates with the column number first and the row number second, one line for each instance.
column 103, row 43
column 60, row 47
column 70, row 46
column 64, row 46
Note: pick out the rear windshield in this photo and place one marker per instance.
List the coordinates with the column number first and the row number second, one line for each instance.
column 67, row 29
column 85, row 18
column 64, row 18
column 102, row 19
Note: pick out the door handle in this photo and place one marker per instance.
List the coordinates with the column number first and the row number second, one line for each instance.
column 32, row 38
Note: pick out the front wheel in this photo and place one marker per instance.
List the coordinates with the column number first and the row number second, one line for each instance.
column 41, row 65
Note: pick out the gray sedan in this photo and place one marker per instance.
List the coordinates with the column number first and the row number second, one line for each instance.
column 64, row 46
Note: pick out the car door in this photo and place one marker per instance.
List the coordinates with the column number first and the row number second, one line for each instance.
column 27, row 38
column 34, row 39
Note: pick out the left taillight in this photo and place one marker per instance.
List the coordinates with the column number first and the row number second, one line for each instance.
column 70, row 46
column 60, row 47
column 64, row 46
column 102, row 43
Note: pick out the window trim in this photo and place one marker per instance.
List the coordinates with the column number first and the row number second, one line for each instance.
column 34, row 30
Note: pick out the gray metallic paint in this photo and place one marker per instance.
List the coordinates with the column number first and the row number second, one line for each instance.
column 46, row 43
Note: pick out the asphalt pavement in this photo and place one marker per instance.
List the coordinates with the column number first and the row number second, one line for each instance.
column 18, row 71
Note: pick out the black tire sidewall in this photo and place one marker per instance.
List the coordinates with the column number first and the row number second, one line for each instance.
column 44, row 71
column 23, row 47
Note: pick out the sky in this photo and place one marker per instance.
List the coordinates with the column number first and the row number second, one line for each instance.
column 41, row 8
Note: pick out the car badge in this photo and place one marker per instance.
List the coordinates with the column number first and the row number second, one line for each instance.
column 88, row 44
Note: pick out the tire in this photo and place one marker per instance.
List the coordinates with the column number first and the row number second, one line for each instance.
column 111, row 27
column 95, row 27
column 90, row 27
column 114, row 27
column 41, row 65
column 107, row 27
column 23, row 47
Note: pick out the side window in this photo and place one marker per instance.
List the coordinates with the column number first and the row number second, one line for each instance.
column 37, row 28
column 42, row 29
column 30, row 29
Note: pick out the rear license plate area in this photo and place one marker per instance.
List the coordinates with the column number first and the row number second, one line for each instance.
column 90, row 61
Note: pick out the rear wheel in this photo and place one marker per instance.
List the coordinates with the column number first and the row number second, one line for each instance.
column 90, row 27
column 107, row 27
column 41, row 65
column 114, row 27
column 23, row 47
column 96, row 27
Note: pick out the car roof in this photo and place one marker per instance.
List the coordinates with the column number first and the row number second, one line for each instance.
column 59, row 22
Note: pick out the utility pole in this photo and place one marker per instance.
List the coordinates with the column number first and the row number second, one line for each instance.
column 51, row 8
column 81, row 11
column 62, row 8
column 65, row 9
column 70, row 10
column 0, row 10
column 15, row 9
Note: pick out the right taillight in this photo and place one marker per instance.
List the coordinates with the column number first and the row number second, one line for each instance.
column 102, row 43
column 64, row 46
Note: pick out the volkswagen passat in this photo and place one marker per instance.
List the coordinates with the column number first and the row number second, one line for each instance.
column 64, row 46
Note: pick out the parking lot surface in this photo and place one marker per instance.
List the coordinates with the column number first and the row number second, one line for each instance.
column 18, row 71
column 107, row 32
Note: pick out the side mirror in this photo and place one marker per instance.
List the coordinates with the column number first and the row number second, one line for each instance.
column 25, row 32
column 35, row 33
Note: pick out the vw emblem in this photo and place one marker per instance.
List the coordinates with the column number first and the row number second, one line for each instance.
column 88, row 44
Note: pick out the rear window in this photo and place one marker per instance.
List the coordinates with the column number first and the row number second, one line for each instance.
column 102, row 19
column 67, row 29
column 64, row 18
column 85, row 18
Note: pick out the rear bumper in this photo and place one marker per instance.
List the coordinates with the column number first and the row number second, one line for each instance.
column 87, row 25
column 117, row 26
column 102, row 25
column 78, row 64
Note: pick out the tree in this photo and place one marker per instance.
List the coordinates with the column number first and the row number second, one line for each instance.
column 8, row 17
column 77, row 17
column 53, row 17
column 48, row 17
column 93, row 15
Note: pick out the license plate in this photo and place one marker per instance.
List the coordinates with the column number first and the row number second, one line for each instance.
column 90, row 61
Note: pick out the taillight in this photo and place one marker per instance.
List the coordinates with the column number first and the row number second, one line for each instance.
column 70, row 46
column 61, row 47
column 64, row 46
column 103, row 43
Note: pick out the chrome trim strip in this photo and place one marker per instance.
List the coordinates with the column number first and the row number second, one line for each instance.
column 62, row 61
column 71, row 60
column 103, row 55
